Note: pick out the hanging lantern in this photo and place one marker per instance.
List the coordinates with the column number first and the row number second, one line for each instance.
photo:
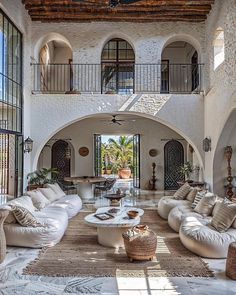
column 68, row 152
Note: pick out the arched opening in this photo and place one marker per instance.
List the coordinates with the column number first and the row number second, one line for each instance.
column 173, row 160
column 53, row 73
column 153, row 136
column 180, row 69
column 117, row 63
column 219, row 47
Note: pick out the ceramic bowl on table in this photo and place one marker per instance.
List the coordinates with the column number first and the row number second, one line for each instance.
column 133, row 214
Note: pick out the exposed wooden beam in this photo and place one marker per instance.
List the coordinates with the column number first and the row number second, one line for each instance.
column 99, row 10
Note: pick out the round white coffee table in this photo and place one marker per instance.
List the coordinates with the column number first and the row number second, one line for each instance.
column 110, row 231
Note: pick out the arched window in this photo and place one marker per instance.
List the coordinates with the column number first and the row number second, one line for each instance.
column 219, row 47
column 118, row 67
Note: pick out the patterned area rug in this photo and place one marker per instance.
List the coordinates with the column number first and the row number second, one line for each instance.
column 79, row 254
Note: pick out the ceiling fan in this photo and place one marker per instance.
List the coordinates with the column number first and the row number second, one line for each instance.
column 117, row 121
column 114, row 3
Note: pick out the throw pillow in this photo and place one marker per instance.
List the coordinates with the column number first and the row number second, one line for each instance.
column 57, row 190
column 25, row 217
column 24, row 201
column 224, row 216
column 192, row 194
column 182, row 192
column 198, row 198
column 206, row 204
column 38, row 199
column 48, row 193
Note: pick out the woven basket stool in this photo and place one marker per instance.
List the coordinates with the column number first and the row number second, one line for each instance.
column 3, row 216
column 231, row 261
column 140, row 243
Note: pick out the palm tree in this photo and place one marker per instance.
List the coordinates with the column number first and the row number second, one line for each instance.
column 121, row 150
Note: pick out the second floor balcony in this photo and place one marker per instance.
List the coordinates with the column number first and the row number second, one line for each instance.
column 117, row 78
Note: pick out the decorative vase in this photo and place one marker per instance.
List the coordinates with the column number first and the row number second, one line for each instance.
column 3, row 216
column 124, row 173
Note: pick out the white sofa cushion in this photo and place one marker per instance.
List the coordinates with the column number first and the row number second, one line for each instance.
column 57, row 190
column 55, row 222
column 167, row 203
column 206, row 204
column 48, row 193
column 38, row 199
column 224, row 216
column 200, row 237
column 71, row 203
column 182, row 192
column 178, row 213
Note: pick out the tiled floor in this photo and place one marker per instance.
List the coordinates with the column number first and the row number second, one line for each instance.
column 13, row 282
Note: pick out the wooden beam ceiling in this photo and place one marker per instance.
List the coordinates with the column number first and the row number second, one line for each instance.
column 99, row 10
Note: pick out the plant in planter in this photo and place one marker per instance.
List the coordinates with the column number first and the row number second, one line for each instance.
column 40, row 177
column 186, row 170
column 122, row 154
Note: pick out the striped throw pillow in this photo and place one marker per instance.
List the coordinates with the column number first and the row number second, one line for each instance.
column 192, row 194
column 198, row 198
column 182, row 192
column 224, row 216
column 25, row 217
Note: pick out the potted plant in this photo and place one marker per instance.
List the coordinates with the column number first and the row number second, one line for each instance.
column 186, row 170
column 39, row 178
column 109, row 169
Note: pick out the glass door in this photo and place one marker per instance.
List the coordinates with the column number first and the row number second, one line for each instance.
column 136, row 160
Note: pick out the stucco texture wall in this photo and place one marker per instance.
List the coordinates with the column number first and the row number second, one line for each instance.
column 220, row 100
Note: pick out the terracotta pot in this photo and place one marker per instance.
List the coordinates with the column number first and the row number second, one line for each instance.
column 108, row 172
column 124, row 173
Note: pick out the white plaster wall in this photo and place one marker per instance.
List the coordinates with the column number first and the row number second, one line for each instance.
column 51, row 113
column 221, row 98
column 18, row 15
column 147, row 39
column 81, row 134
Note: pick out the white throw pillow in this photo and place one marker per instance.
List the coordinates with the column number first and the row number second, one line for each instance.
column 57, row 190
column 206, row 204
column 38, row 199
column 24, row 201
column 48, row 193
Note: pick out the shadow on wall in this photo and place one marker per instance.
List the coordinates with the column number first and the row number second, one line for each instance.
column 227, row 138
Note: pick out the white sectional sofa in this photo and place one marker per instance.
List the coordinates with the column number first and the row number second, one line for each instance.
column 195, row 230
column 54, row 218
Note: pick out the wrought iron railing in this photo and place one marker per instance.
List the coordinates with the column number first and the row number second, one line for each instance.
column 122, row 78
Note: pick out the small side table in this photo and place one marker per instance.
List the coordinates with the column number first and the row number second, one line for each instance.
column 3, row 216
column 231, row 262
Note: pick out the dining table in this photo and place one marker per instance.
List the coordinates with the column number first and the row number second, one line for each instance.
column 85, row 185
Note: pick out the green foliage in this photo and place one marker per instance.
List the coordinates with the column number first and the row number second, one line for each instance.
column 186, row 169
column 118, row 153
column 42, row 176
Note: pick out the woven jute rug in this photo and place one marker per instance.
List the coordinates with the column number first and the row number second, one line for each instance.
column 79, row 254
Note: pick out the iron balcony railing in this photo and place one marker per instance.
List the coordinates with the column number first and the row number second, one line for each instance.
column 120, row 78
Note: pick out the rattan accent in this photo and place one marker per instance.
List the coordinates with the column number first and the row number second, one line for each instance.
column 231, row 261
column 141, row 246
column 3, row 216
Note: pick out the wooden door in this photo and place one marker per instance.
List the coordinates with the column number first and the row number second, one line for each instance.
column 173, row 160
column 59, row 159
